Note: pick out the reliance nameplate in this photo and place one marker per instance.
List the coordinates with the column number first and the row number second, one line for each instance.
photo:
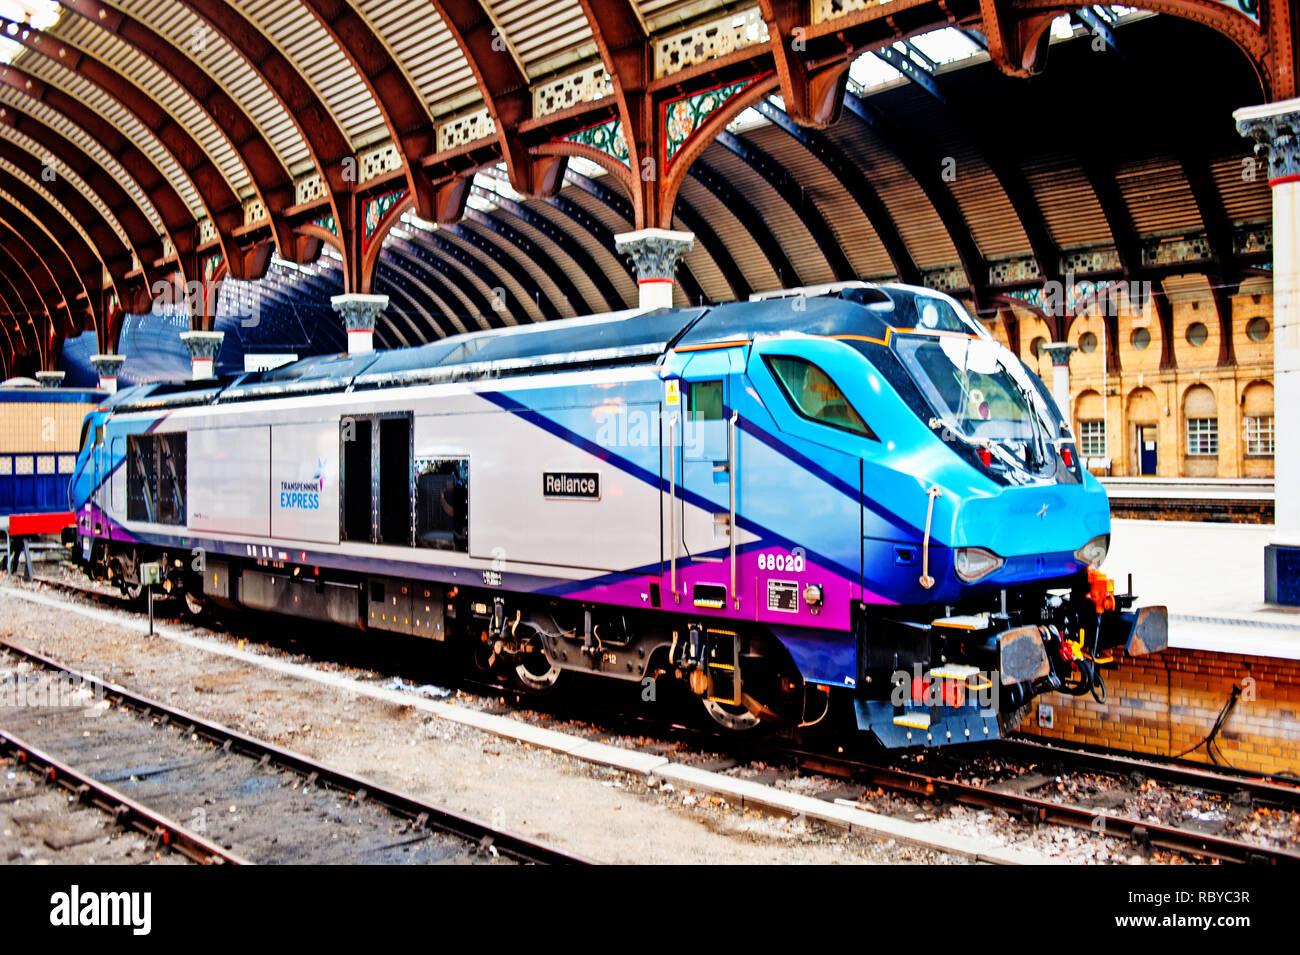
column 579, row 485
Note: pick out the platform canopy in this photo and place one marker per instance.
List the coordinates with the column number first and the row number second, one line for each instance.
column 474, row 160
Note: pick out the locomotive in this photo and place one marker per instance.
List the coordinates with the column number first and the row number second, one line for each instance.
column 850, row 497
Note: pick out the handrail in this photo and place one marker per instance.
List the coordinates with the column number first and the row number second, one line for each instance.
column 926, row 580
column 672, row 506
column 731, row 493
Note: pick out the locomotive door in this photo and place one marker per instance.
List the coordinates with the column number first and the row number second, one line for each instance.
column 704, row 453
column 98, row 484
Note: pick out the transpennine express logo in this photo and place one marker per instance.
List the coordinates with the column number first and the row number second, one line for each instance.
column 304, row 495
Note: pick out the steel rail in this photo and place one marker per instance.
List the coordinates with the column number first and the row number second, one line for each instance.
column 124, row 810
column 1261, row 787
column 1100, row 821
column 424, row 814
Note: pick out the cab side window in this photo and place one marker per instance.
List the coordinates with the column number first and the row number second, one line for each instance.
column 815, row 396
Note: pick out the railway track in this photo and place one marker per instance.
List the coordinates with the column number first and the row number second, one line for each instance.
column 945, row 786
column 1023, row 805
column 151, row 766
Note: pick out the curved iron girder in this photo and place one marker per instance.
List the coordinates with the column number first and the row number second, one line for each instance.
column 453, row 319
column 26, row 331
column 716, row 250
column 116, row 257
column 72, row 263
column 1006, row 170
column 271, row 180
column 414, row 315
column 533, row 253
column 73, row 302
column 626, row 52
column 814, row 97
column 1101, row 177
column 442, row 326
column 567, row 244
column 619, row 205
column 223, row 207
column 754, row 224
column 403, row 109
column 506, row 93
column 924, row 168
column 475, row 269
column 45, row 294
column 321, row 134
column 511, row 267
column 399, row 295
column 1225, row 278
column 430, row 307
column 147, row 245
column 857, row 185
column 457, row 279
column 1016, row 41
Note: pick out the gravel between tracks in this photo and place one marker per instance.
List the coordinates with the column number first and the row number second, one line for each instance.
column 604, row 814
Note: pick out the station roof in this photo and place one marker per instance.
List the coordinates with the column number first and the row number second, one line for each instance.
column 152, row 134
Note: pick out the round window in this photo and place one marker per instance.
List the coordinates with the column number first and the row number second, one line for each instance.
column 1087, row 342
column 1197, row 333
column 1258, row 329
column 1037, row 345
column 1140, row 338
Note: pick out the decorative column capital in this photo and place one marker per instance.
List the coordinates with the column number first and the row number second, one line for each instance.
column 1275, row 128
column 654, row 252
column 50, row 379
column 107, row 367
column 359, row 313
column 203, row 348
column 1060, row 352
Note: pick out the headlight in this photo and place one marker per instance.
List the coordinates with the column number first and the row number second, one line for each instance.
column 1094, row 552
column 975, row 563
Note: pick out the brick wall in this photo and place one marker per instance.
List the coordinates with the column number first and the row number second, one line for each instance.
column 1167, row 703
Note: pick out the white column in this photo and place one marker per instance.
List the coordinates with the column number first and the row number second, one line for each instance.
column 1060, row 353
column 1275, row 127
column 203, row 348
column 360, row 313
column 50, row 379
column 107, row 367
column 655, row 253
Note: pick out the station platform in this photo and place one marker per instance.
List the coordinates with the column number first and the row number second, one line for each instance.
column 1220, row 500
column 1211, row 577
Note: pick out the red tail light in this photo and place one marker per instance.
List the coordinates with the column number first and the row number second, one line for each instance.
column 986, row 456
column 1068, row 457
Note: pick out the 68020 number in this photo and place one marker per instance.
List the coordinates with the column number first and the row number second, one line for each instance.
column 788, row 563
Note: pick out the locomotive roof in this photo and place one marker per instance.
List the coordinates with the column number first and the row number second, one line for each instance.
column 25, row 393
column 628, row 337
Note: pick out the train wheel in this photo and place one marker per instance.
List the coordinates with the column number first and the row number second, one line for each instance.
column 194, row 604
column 537, row 674
column 737, row 719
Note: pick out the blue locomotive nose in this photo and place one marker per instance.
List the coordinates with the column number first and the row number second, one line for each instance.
column 1016, row 521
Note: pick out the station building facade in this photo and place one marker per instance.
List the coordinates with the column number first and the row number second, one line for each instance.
column 1208, row 416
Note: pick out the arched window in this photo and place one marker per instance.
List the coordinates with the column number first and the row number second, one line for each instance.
column 1090, row 420
column 1201, row 414
column 1257, row 419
